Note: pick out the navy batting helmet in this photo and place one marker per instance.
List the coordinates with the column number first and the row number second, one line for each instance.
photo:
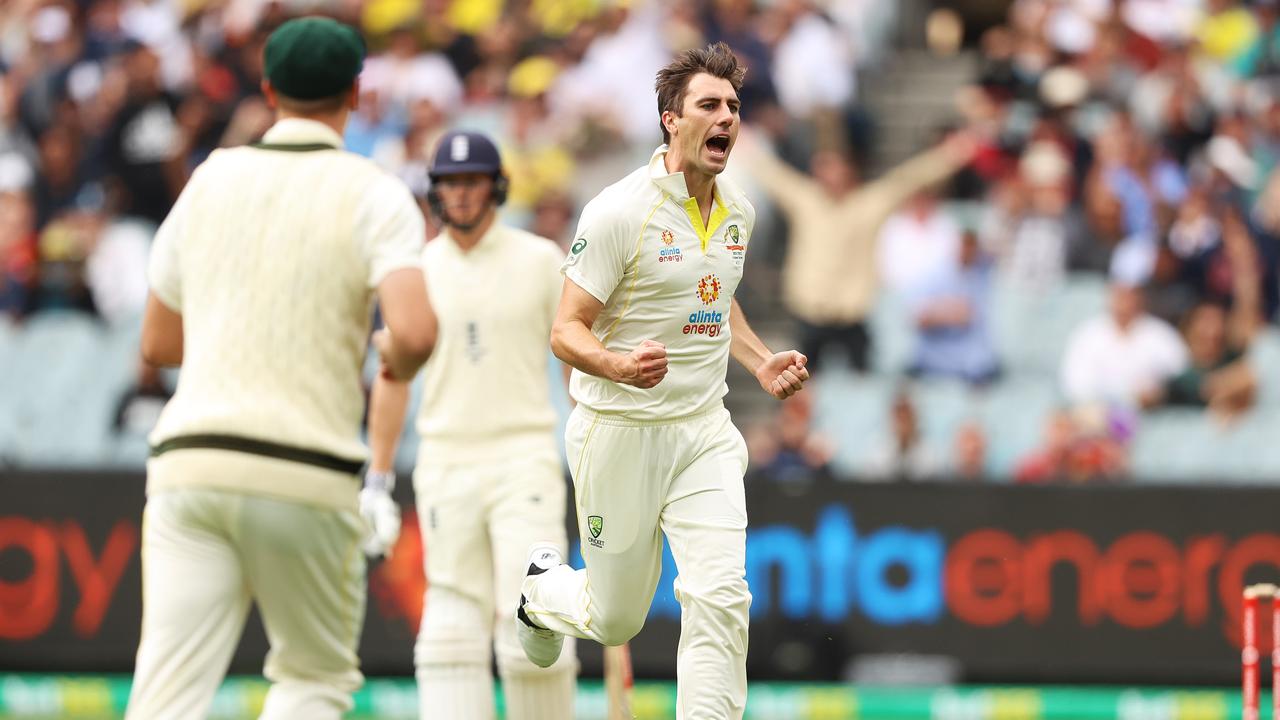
column 461, row 153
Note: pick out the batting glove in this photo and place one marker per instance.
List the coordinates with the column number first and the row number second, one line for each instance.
column 381, row 514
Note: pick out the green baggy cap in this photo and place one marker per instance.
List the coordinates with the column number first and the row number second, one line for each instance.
column 313, row 57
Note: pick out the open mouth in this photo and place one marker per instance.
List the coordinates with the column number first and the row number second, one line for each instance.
column 719, row 145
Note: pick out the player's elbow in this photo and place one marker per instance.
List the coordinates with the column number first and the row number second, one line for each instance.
column 560, row 342
column 162, row 335
column 417, row 342
column 159, row 353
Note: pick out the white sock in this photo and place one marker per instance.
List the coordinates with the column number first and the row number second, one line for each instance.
column 455, row 692
column 541, row 695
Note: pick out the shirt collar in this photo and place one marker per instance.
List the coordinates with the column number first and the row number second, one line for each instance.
column 300, row 131
column 489, row 238
column 674, row 185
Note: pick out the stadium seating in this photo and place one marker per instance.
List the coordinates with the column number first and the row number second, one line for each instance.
column 62, row 374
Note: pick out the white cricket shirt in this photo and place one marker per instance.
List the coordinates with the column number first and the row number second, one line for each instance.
column 642, row 250
column 486, row 392
column 272, row 257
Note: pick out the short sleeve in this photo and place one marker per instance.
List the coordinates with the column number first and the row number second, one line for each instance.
column 392, row 227
column 164, row 277
column 598, row 256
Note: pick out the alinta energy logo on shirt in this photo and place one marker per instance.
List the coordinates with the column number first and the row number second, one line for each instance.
column 706, row 322
column 669, row 253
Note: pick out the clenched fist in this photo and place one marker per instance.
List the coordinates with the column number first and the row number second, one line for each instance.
column 643, row 367
column 783, row 374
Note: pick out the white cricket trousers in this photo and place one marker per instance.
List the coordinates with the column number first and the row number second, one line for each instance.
column 634, row 480
column 478, row 521
column 208, row 553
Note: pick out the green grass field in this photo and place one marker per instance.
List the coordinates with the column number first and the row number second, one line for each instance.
column 45, row 697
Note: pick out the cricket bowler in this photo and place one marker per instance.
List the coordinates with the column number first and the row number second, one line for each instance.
column 488, row 481
column 262, row 282
column 648, row 320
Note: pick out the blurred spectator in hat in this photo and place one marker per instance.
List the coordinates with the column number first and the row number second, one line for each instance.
column 1064, row 87
column 1031, row 226
column 64, row 245
column 902, row 454
column 534, row 150
column 1227, row 33
column 1123, row 356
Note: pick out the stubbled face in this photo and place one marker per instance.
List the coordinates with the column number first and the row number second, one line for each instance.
column 465, row 198
column 707, row 127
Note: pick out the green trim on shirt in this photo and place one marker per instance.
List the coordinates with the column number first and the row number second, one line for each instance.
column 292, row 147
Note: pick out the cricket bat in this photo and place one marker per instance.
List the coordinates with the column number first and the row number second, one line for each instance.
column 618, row 681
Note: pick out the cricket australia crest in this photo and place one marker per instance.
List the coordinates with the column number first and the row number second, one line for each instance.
column 595, row 524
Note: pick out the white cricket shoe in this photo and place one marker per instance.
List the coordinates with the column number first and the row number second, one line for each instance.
column 541, row 646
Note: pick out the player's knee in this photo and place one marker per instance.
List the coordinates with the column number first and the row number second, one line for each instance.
column 454, row 630
column 617, row 628
column 726, row 599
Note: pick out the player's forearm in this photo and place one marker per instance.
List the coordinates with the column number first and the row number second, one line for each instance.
column 745, row 346
column 162, row 334
column 388, row 403
column 576, row 346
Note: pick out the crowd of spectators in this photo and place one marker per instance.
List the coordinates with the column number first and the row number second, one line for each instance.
column 107, row 105
column 1136, row 140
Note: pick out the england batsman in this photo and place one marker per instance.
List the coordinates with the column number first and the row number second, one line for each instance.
column 262, row 282
column 648, row 320
column 488, row 481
